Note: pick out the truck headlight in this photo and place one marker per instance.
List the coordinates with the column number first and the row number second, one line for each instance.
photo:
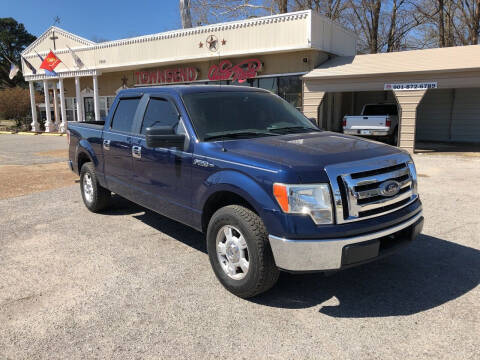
column 413, row 174
column 311, row 199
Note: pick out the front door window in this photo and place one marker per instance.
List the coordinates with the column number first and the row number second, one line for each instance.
column 89, row 109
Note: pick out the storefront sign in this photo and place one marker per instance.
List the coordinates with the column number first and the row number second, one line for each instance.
column 168, row 76
column 240, row 72
column 411, row 86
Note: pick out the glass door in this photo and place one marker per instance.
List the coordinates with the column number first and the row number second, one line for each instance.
column 89, row 109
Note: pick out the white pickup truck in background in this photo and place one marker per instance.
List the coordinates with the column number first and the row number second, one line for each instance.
column 377, row 121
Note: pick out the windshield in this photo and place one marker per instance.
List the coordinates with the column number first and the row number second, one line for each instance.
column 242, row 114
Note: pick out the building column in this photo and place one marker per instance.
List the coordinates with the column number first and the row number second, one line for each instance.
column 55, row 107
column 79, row 100
column 96, row 100
column 312, row 99
column 35, row 125
column 63, row 125
column 48, row 122
column 408, row 102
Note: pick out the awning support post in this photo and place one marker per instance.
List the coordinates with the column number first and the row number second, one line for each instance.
column 35, row 125
column 408, row 102
column 63, row 125
column 96, row 101
column 48, row 122
column 79, row 99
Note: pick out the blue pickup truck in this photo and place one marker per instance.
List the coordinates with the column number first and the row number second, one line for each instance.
column 270, row 190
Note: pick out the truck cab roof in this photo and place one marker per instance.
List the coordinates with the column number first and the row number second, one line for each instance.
column 187, row 89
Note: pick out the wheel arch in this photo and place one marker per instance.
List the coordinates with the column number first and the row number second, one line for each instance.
column 85, row 154
column 220, row 199
column 235, row 188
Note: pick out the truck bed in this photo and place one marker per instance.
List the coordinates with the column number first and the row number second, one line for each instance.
column 88, row 124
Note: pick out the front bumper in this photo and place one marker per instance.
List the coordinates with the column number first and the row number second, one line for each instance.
column 370, row 132
column 334, row 254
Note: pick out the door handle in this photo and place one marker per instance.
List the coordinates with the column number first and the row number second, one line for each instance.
column 137, row 151
column 106, row 144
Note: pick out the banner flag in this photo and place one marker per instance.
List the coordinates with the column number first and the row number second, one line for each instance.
column 50, row 62
column 41, row 59
column 50, row 73
column 76, row 59
column 13, row 71
column 30, row 66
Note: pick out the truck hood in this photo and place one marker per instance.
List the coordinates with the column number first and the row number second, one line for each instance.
column 308, row 154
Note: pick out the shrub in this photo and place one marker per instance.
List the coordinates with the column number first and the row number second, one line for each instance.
column 15, row 104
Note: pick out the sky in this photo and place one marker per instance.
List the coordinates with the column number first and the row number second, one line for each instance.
column 96, row 20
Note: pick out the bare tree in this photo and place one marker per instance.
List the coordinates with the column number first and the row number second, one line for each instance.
column 212, row 11
column 469, row 16
column 185, row 14
column 441, row 22
column 382, row 25
column 332, row 9
column 367, row 14
column 282, row 6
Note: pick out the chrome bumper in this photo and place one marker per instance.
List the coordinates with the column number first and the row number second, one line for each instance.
column 325, row 254
column 372, row 132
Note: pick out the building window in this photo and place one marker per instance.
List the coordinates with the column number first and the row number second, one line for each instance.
column 102, row 103
column 270, row 84
column 110, row 100
column 290, row 89
column 70, row 108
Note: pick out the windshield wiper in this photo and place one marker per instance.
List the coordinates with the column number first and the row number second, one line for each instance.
column 293, row 129
column 239, row 134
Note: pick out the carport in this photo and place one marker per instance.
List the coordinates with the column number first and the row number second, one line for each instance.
column 437, row 92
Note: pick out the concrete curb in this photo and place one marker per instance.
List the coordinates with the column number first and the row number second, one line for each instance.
column 31, row 133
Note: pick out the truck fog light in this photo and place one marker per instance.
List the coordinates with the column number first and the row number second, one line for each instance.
column 312, row 199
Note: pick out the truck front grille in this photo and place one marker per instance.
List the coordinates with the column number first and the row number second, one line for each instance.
column 361, row 189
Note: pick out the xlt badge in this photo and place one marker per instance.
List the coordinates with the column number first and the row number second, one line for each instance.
column 202, row 163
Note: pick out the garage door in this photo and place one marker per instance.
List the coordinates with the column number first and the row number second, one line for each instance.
column 466, row 115
column 436, row 108
column 433, row 116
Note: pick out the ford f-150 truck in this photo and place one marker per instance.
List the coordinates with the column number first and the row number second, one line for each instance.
column 269, row 189
column 377, row 121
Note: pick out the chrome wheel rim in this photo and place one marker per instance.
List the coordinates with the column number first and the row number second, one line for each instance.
column 88, row 187
column 232, row 252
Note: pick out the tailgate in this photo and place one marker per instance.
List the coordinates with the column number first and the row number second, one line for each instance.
column 365, row 122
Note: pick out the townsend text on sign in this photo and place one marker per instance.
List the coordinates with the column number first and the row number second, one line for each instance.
column 167, row 76
column 412, row 86
column 240, row 72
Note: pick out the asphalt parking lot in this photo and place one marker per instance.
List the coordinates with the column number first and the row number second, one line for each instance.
column 132, row 284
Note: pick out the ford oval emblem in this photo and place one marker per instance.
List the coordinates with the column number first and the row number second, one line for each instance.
column 389, row 188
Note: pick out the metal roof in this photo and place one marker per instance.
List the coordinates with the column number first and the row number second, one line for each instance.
column 450, row 59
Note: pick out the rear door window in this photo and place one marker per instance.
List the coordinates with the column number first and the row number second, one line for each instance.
column 124, row 115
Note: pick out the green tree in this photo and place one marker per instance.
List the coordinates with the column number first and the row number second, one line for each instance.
column 13, row 40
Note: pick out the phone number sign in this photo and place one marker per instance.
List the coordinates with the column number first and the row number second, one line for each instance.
column 412, row 86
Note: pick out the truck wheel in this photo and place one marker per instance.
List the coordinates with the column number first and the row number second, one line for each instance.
column 95, row 197
column 239, row 251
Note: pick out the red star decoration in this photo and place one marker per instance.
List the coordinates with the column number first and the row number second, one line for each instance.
column 224, row 42
column 200, row 45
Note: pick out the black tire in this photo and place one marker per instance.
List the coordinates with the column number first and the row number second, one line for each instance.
column 262, row 272
column 100, row 197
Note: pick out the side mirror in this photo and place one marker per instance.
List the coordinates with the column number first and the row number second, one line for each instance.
column 313, row 121
column 164, row 137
